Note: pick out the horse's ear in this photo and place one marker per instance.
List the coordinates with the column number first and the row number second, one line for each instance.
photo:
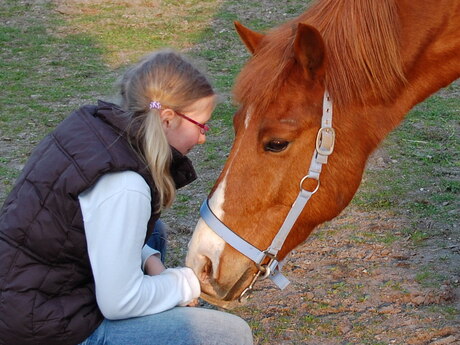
column 250, row 38
column 309, row 50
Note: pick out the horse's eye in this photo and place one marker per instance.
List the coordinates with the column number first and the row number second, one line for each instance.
column 276, row 145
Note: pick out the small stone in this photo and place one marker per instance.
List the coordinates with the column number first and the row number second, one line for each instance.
column 309, row 295
column 389, row 310
column 418, row 300
column 345, row 328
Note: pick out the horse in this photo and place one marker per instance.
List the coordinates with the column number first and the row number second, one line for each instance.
column 318, row 95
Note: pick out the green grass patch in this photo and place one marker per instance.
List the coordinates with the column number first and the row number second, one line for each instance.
column 428, row 277
column 449, row 312
column 127, row 31
column 43, row 72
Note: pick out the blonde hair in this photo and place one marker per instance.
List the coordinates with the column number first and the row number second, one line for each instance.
column 168, row 78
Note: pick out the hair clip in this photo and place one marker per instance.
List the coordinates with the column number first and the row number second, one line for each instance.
column 155, row 105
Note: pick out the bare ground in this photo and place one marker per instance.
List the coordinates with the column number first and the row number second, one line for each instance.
column 349, row 289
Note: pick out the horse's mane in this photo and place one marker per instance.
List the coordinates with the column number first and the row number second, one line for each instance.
column 362, row 40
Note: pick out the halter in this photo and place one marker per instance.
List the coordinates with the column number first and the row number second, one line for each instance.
column 324, row 147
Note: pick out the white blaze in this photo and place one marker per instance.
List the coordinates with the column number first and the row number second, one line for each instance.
column 205, row 242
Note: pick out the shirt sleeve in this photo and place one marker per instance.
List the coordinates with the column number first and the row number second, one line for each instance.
column 116, row 211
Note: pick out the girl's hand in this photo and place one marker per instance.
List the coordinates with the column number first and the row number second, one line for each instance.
column 194, row 303
column 153, row 266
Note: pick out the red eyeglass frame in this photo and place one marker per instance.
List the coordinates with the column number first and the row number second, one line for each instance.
column 203, row 127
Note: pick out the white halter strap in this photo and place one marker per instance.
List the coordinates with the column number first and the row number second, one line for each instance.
column 324, row 147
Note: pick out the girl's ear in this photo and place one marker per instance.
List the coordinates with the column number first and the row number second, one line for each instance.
column 168, row 117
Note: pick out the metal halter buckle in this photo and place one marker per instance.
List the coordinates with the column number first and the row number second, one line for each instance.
column 325, row 141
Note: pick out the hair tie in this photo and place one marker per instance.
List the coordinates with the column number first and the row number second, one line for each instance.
column 155, row 105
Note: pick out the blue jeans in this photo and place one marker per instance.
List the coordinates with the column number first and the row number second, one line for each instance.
column 158, row 239
column 177, row 326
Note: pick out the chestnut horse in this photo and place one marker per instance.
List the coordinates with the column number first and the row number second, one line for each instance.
column 377, row 59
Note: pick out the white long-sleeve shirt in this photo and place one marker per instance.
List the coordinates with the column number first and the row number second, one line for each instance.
column 116, row 211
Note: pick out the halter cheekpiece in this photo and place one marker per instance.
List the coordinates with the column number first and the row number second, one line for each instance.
column 324, row 147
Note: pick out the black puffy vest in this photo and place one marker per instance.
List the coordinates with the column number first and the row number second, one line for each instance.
column 47, row 293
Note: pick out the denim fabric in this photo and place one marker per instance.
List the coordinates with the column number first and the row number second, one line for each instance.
column 158, row 238
column 177, row 326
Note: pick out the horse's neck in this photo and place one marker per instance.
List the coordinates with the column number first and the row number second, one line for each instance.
column 430, row 47
column 430, row 43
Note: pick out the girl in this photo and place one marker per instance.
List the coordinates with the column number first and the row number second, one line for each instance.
column 74, row 267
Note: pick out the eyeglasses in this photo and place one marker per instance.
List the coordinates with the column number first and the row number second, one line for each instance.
column 203, row 127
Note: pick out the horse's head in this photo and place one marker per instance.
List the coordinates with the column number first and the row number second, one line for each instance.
column 280, row 92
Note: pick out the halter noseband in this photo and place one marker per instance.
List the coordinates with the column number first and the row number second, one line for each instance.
column 324, row 147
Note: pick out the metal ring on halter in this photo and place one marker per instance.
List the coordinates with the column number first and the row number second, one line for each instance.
column 266, row 271
column 304, row 178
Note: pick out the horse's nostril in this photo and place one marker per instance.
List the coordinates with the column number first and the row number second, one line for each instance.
column 206, row 272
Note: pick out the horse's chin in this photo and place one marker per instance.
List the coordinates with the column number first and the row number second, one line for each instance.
column 221, row 303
